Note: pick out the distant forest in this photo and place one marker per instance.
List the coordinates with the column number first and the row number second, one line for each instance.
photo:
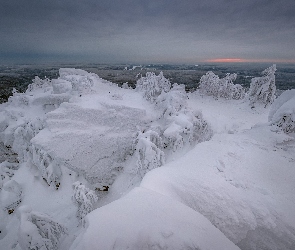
column 20, row 76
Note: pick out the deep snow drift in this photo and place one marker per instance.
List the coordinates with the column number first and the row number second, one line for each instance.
column 89, row 165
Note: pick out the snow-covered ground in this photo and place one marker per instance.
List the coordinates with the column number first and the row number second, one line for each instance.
column 182, row 171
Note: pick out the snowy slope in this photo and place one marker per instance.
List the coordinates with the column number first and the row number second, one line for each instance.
column 228, row 180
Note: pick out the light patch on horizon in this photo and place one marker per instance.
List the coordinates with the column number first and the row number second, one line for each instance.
column 226, row 60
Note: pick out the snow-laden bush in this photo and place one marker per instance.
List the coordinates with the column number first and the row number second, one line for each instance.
column 148, row 152
column 262, row 89
column 39, row 84
column 185, row 128
column 18, row 99
column 282, row 112
column 84, row 198
column 11, row 196
column 22, row 138
column 211, row 84
column 152, row 85
column 49, row 168
column 171, row 102
column 181, row 125
column 7, row 170
column 38, row 230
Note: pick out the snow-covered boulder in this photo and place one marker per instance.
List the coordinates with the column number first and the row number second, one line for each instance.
column 90, row 141
column 282, row 112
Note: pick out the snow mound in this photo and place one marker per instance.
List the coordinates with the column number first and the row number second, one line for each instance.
column 144, row 219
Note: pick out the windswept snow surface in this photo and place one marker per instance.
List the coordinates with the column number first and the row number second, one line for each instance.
column 234, row 191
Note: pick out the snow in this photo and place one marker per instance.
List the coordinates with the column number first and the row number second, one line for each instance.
column 144, row 219
column 174, row 171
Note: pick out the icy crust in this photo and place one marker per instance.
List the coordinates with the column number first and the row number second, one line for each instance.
column 145, row 219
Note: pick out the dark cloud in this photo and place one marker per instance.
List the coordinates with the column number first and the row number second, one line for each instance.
column 139, row 30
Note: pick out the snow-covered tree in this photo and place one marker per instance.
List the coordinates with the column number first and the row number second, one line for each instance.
column 38, row 230
column 152, row 85
column 84, row 198
column 148, row 152
column 282, row 112
column 262, row 89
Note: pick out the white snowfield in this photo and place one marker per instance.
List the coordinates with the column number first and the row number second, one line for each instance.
column 183, row 171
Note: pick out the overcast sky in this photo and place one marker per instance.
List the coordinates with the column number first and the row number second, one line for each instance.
column 146, row 31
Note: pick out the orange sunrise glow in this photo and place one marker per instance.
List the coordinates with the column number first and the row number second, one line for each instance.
column 227, row 60
column 237, row 60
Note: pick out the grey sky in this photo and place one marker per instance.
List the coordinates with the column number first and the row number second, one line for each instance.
column 183, row 31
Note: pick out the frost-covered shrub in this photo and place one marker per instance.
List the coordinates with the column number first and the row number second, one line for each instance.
column 11, row 196
column 282, row 112
column 22, row 138
column 7, row 170
column 50, row 169
column 18, row 99
column 152, row 85
column 38, row 230
column 173, row 101
column 39, row 84
column 262, row 89
column 84, row 198
column 186, row 127
column 148, row 152
column 210, row 84
column 181, row 125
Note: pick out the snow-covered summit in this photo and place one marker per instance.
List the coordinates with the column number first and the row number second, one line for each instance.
column 158, row 167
